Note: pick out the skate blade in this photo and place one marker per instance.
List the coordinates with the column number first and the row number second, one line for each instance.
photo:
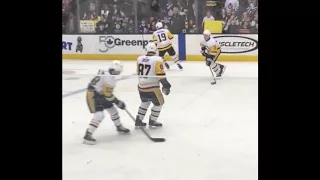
column 89, row 142
column 124, row 133
column 140, row 127
column 154, row 127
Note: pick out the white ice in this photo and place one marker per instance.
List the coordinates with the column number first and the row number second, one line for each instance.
column 211, row 131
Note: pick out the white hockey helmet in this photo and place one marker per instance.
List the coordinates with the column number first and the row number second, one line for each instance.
column 159, row 25
column 151, row 47
column 117, row 67
column 207, row 32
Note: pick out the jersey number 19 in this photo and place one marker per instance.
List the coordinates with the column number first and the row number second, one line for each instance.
column 162, row 37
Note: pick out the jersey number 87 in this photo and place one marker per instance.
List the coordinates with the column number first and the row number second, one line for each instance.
column 143, row 69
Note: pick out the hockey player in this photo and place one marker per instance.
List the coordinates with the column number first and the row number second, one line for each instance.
column 162, row 38
column 100, row 97
column 211, row 50
column 149, row 87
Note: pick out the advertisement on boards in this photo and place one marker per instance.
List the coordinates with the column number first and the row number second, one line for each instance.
column 74, row 44
column 126, row 44
column 230, row 44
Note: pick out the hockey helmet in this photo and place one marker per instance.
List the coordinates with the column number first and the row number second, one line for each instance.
column 206, row 34
column 116, row 67
column 151, row 47
column 159, row 25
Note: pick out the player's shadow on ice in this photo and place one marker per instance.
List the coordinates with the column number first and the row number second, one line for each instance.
column 134, row 136
column 116, row 137
column 172, row 70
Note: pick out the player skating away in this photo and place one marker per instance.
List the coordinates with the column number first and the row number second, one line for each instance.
column 100, row 97
column 149, row 87
column 211, row 50
column 162, row 38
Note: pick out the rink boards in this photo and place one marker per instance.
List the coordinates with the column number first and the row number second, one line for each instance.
column 234, row 47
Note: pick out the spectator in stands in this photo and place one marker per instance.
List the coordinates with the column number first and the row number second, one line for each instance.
column 64, row 19
column 253, row 1
column 115, row 2
column 169, row 6
column 177, row 21
column 117, row 29
column 181, row 5
column 102, row 27
column 128, row 8
column 231, row 4
column 254, row 27
column 152, row 24
column 115, row 10
column 166, row 22
column 251, row 9
column 194, row 11
column 117, row 24
column 223, row 15
column 105, row 12
column 207, row 17
column 124, row 28
column 232, row 28
column 245, row 28
column 254, row 24
column 130, row 26
column 191, row 27
column 144, row 10
column 243, row 5
column 93, row 16
column 233, row 13
column 186, row 26
column 255, row 17
column 143, row 27
column 245, row 18
column 224, row 27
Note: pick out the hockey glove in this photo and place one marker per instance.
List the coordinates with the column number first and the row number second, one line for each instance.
column 208, row 63
column 165, row 86
column 204, row 51
column 166, row 91
column 120, row 104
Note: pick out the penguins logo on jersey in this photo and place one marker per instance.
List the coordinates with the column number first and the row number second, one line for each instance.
column 109, row 42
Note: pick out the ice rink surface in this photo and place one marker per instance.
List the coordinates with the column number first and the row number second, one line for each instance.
column 211, row 131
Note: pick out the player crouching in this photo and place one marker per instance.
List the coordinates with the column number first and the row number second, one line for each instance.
column 100, row 97
column 211, row 50
column 162, row 38
column 149, row 87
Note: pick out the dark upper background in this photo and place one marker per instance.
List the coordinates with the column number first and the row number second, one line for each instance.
column 179, row 16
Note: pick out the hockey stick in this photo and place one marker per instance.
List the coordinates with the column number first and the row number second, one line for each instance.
column 144, row 131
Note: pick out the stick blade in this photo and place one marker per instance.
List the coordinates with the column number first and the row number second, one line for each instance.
column 158, row 139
